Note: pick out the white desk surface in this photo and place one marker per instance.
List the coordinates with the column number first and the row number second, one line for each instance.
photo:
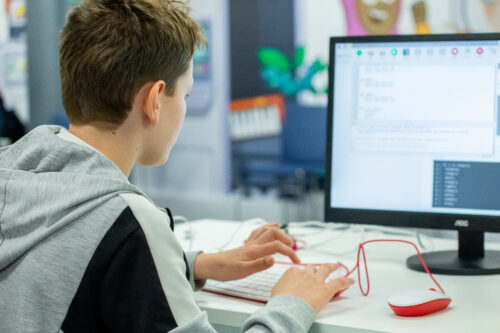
column 475, row 303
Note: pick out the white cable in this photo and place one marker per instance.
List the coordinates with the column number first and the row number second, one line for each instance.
column 321, row 226
column 390, row 230
column 190, row 234
column 419, row 240
column 324, row 225
column 336, row 226
column 327, row 240
column 350, row 250
column 413, row 232
column 421, row 243
column 257, row 220
column 331, row 226
column 349, row 229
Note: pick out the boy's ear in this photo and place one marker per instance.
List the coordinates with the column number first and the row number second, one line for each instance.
column 152, row 105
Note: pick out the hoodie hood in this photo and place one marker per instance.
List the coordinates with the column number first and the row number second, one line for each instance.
column 47, row 183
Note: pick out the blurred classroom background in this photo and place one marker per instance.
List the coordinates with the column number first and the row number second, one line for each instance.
column 253, row 143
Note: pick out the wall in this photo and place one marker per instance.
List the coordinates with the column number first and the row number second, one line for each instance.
column 255, row 24
column 45, row 20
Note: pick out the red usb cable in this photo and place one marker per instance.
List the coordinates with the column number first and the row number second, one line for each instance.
column 361, row 250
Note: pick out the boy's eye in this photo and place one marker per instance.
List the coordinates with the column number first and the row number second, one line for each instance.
column 186, row 96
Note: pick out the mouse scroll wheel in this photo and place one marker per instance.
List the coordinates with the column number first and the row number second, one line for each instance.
column 432, row 289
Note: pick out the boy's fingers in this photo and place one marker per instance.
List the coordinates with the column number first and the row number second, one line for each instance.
column 276, row 234
column 273, row 247
column 340, row 284
column 310, row 268
column 325, row 270
column 251, row 267
column 282, row 236
column 259, row 231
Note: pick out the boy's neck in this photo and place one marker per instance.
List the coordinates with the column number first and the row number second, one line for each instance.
column 119, row 145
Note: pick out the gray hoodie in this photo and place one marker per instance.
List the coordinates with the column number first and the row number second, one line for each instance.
column 58, row 200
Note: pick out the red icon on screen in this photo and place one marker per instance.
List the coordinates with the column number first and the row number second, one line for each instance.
column 479, row 50
column 454, row 51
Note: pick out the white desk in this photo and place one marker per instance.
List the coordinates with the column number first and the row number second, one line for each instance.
column 475, row 303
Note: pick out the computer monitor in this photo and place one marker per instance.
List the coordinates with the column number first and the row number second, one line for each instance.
column 413, row 140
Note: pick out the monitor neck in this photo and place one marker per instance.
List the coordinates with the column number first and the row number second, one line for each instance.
column 470, row 245
column 470, row 259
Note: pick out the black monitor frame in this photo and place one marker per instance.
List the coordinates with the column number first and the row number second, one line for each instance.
column 471, row 227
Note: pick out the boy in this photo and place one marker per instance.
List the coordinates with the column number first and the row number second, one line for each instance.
column 83, row 250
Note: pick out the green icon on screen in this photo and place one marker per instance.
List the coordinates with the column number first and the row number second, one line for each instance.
column 359, row 53
column 394, row 52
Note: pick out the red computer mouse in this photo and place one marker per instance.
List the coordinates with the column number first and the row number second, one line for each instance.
column 416, row 303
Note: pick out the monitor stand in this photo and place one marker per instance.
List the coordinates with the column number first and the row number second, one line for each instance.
column 470, row 259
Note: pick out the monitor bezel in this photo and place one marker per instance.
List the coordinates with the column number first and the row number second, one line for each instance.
column 397, row 218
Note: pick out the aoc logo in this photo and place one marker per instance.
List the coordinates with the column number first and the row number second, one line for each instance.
column 462, row 223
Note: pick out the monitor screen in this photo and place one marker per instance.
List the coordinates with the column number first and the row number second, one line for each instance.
column 413, row 140
column 415, row 125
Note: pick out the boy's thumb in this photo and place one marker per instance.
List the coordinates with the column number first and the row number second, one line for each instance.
column 269, row 261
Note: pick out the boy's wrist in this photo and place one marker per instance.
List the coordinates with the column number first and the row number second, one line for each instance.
column 203, row 266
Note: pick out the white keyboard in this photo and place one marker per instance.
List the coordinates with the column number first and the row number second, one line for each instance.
column 257, row 287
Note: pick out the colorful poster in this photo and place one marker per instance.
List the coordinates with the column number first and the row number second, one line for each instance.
column 371, row 17
column 16, row 12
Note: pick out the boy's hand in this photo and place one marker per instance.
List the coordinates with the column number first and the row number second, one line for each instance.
column 253, row 257
column 309, row 285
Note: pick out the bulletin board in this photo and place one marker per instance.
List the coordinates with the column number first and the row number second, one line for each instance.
column 13, row 57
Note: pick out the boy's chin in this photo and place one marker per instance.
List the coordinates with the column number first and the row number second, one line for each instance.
column 154, row 161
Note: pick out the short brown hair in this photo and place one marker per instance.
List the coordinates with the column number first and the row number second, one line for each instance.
column 110, row 48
